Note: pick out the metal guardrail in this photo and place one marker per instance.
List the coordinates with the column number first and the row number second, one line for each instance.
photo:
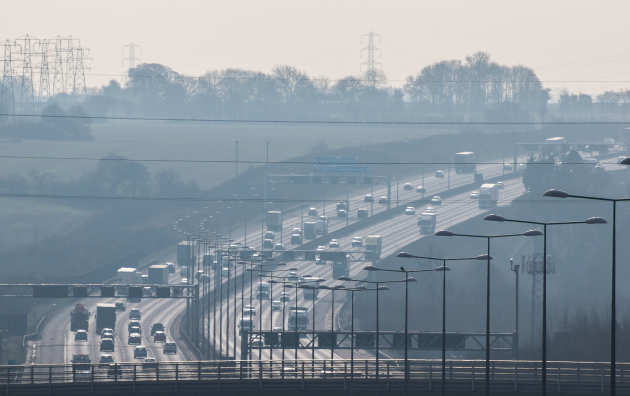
column 583, row 377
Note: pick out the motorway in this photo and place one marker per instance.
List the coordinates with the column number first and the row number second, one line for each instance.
column 57, row 343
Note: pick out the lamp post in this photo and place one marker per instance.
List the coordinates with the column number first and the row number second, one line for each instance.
column 270, row 274
column 407, row 280
column 379, row 285
column 488, row 239
column 613, row 287
column 444, row 269
column 591, row 220
column 284, row 283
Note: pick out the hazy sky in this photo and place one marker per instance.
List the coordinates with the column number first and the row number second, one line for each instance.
column 568, row 40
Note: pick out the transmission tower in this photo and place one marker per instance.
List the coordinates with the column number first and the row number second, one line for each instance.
column 131, row 58
column 27, row 85
column 44, row 72
column 371, row 68
column 8, row 76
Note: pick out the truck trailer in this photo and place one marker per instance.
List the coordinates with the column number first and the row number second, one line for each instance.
column 158, row 274
column 105, row 317
column 373, row 245
column 488, row 196
column 79, row 318
column 465, row 162
column 427, row 222
column 273, row 220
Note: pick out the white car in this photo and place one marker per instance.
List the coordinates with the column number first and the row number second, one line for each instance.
column 278, row 246
column 407, row 187
column 256, row 340
column 312, row 212
column 439, row 173
column 429, row 209
column 368, row 198
column 474, row 194
column 410, row 210
column 296, row 230
column 184, row 281
column 333, row 243
column 321, row 248
column 357, row 242
column 436, row 200
column 500, row 185
column 269, row 235
column 420, row 189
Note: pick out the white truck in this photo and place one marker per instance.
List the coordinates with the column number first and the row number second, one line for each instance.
column 158, row 274
column 273, row 220
column 488, row 195
column 128, row 275
column 373, row 246
column 298, row 319
column 427, row 222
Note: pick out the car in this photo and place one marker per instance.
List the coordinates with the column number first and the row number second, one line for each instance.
column 157, row 327
column 147, row 291
column 439, row 173
column 296, row 239
column 171, row 267
column 134, row 314
column 149, row 363
column 421, row 189
column 312, row 212
column 410, row 210
column 284, row 296
column 139, row 352
column 278, row 246
column 248, row 310
column 135, row 330
column 107, row 345
column 106, row 359
column 144, row 278
column 267, row 243
column 500, row 184
column 269, row 235
column 436, row 200
column 256, row 340
column 106, row 331
column 183, row 281
column 357, row 242
column 159, row 336
column 320, row 248
column 474, row 194
column 134, row 339
column 407, row 187
column 132, row 324
column 362, row 213
column 169, row 347
column 107, row 337
column 276, row 305
column 114, row 370
column 296, row 230
column 368, row 198
column 333, row 243
column 341, row 213
column 430, row 209
column 382, row 199
column 81, row 335
column 120, row 306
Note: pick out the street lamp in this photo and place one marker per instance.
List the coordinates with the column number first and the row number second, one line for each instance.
column 407, row 280
column 528, row 233
column 443, row 269
column 613, row 309
column 590, row 220
column 378, row 287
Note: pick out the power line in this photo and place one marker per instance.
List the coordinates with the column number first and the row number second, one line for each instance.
column 262, row 162
column 307, row 122
column 220, row 199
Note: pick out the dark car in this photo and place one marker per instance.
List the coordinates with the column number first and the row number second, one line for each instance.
column 157, row 327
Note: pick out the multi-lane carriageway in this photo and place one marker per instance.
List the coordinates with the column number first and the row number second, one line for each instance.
column 57, row 343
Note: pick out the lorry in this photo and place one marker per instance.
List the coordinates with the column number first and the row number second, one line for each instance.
column 128, row 275
column 340, row 268
column 488, row 195
column 105, row 317
column 309, row 230
column 158, row 274
column 465, row 162
column 426, row 223
column 273, row 220
column 298, row 319
column 184, row 253
column 373, row 245
column 79, row 318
